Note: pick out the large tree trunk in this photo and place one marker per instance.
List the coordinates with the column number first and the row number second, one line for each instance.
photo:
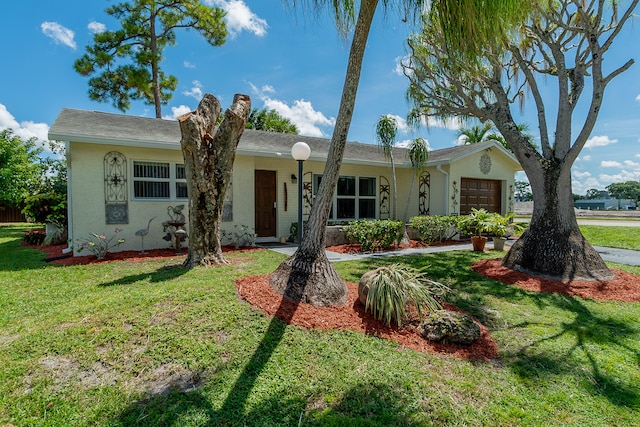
column 209, row 153
column 553, row 246
column 308, row 276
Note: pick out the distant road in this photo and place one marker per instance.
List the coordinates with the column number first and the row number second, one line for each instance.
column 610, row 222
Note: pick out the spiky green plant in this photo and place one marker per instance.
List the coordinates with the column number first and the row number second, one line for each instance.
column 393, row 288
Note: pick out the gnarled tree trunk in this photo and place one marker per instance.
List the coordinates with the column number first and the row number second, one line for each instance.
column 308, row 276
column 553, row 246
column 209, row 153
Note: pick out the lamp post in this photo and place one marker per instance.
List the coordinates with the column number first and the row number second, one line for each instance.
column 300, row 152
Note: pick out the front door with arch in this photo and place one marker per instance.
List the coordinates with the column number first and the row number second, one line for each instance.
column 265, row 203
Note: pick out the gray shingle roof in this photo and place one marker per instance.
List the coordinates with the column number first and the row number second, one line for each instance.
column 119, row 129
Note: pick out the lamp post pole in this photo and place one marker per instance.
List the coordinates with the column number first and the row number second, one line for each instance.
column 300, row 152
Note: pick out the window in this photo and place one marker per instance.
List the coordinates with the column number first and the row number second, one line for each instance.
column 159, row 180
column 181, row 182
column 354, row 198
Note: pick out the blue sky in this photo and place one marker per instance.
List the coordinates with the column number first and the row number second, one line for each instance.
column 288, row 60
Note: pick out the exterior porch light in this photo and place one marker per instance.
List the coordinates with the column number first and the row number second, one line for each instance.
column 300, row 152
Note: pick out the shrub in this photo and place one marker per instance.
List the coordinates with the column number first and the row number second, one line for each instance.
column 435, row 228
column 375, row 234
column 477, row 222
column 99, row 244
column 391, row 289
column 34, row 237
column 243, row 235
column 43, row 207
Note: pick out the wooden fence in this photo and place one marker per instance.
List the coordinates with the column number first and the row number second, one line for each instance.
column 11, row 214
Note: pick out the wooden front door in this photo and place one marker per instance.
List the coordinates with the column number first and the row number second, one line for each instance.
column 265, row 203
column 480, row 193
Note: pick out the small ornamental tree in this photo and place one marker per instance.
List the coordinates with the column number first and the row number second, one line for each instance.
column 564, row 40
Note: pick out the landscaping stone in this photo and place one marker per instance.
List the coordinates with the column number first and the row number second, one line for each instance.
column 451, row 327
column 364, row 284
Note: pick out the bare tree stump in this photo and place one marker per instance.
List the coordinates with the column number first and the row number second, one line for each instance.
column 209, row 153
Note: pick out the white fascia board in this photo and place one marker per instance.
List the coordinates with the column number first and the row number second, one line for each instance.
column 165, row 145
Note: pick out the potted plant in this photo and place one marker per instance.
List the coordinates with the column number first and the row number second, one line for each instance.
column 474, row 224
column 500, row 226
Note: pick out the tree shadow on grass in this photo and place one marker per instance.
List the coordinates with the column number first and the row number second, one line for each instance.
column 162, row 274
column 575, row 342
column 367, row 404
column 582, row 339
column 374, row 405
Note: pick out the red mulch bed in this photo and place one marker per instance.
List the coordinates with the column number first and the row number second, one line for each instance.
column 54, row 255
column 351, row 316
column 625, row 287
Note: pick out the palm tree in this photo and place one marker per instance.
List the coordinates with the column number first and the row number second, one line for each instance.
column 386, row 131
column 307, row 275
column 474, row 134
column 418, row 154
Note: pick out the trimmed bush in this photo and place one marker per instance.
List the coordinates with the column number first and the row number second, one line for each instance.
column 435, row 228
column 375, row 235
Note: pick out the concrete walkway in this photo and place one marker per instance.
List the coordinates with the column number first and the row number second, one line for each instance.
column 620, row 256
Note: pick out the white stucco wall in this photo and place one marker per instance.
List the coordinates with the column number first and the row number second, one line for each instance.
column 502, row 169
column 87, row 207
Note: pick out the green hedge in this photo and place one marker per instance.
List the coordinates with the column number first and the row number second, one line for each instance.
column 375, row 235
column 435, row 228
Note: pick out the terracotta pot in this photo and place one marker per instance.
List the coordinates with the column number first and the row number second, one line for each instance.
column 478, row 243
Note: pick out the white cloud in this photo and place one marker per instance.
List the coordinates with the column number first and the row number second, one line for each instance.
column 97, row 27
column 188, row 64
column 451, row 123
column 398, row 69
column 268, row 89
column 26, row 129
column 586, row 158
column 638, row 98
column 610, row 164
column 240, row 18
column 462, row 140
column 599, row 141
column 59, row 34
column 405, row 144
column 580, row 174
column 177, row 112
column 632, row 164
column 196, row 90
column 301, row 113
column 622, row 176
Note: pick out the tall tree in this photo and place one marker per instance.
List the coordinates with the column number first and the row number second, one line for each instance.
column 20, row 167
column 565, row 40
column 148, row 27
column 386, row 132
column 625, row 190
column 308, row 275
column 523, row 191
column 270, row 121
column 209, row 152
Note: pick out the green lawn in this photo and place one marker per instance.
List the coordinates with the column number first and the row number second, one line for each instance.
column 151, row 344
column 612, row 237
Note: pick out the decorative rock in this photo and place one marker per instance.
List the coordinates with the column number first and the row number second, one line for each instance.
column 364, row 284
column 450, row 326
